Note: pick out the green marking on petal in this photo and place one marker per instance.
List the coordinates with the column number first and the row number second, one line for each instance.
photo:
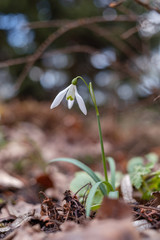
column 70, row 98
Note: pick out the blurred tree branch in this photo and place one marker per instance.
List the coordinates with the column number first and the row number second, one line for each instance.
column 60, row 23
column 147, row 6
column 117, row 42
column 70, row 49
column 67, row 25
column 55, row 35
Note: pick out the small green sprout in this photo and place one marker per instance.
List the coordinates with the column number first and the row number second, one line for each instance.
column 142, row 176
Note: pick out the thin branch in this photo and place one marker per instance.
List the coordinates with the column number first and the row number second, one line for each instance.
column 116, row 4
column 147, row 6
column 56, row 35
column 129, row 32
column 60, row 23
column 121, row 45
column 47, row 24
column 70, row 49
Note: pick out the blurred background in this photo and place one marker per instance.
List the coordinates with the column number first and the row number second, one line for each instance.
column 116, row 45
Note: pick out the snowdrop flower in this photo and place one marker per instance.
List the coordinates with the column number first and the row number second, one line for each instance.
column 71, row 93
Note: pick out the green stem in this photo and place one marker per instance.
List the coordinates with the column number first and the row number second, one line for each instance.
column 82, row 80
column 102, row 149
column 99, row 125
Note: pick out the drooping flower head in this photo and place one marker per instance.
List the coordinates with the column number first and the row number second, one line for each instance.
column 71, row 93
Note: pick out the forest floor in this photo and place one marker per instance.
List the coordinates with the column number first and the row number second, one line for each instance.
column 34, row 199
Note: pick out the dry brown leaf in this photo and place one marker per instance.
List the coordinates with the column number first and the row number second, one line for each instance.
column 102, row 230
column 8, row 181
column 113, row 208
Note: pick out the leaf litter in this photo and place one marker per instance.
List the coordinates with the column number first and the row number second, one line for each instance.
column 52, row 217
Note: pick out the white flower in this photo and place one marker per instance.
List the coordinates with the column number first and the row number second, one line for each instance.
column 71, row 93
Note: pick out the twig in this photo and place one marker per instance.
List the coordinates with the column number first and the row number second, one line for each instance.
column 60, row 23
column 147, row 6
column 121, row 45
column 116, row 4
column 56, row 35
column 70, row 49
column 129, row 32
column 145, row 207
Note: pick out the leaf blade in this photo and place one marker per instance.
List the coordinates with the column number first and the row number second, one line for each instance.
column 112, row 167
column 90, row 197
column 83, row 167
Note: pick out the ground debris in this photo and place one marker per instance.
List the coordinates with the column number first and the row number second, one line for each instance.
column 149, row 213
column 54, row 215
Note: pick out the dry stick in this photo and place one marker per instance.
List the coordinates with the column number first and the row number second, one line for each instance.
column 60, row 23
column 122, row 46
column 77, row 48
column 116, row 4
column 56, row 35
column 129, row 32
column 126, row 70
column 70, row 49
column 147, row 6
column 47, row 24
column 145, row 207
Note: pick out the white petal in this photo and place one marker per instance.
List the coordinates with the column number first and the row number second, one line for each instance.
column 81, row 103
column 58, row 98
column 71, row 92
column 70, row 103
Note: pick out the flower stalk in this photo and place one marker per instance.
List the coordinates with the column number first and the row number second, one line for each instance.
column 72, row 94
column 91, row 91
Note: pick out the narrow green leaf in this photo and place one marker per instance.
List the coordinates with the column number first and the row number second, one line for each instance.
column 112, row 167
column 90, row 197
column 95, row 207
column 92, row 93
column 84, row 168
column 114, row 195
column 109, row 187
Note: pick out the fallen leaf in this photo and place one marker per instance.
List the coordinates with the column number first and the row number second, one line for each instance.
column 113, row 208
column 8, row 181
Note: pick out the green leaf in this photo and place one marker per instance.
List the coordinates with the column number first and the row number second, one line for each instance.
column 95, row 207
column 133, row 162
column 137, row 174
column 112, row 167
column 90, row 197
column 119, row 177
column 146, row 194
column 109, row 186
column 152, row 157
column 154, row 183
column 113, row 194
column 92, row 93
column 84, row 168
column 81, row 179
